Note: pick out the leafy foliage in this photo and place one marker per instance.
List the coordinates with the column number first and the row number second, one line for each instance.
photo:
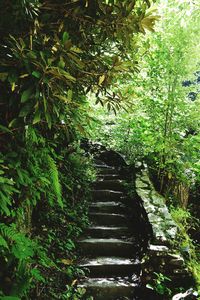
column 188, row 246
column 158, row 123
column 53, row 171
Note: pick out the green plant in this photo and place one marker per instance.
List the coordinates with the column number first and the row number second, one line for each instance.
column 184, row 242
column 160, row 284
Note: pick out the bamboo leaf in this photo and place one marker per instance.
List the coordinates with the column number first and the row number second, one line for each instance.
column 37, row 117
column 36, row 74
column 48, row 119
column 26, row 95
column 65, row 37
column 101, row 79
column 26, row 109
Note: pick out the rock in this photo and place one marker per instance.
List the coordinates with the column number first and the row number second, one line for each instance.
column 150, row 208
column 188, row 295
column 154, row 218
column 157, row 199
column 145, row 178
column 179, row 262
column 163, row 211
column 138, row 164
column 160, row 237
column 158, row 250
column 171, row 233
column 141, row 184
column 144, row 195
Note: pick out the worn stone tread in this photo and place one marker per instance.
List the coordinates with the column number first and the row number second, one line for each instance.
column 107, row 247
column 116, row 185
column 106, row 195
column 111, row 219
column 112, row 260
column 109, row 288
column 108, row 231
column 110, row 266
column 108, row 176
column 107, row 207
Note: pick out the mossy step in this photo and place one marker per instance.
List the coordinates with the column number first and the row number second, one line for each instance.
column 107, row 171
column 115, row 185
column 108, row 176
column 106, row 195
column 111, row 266
column 108, row 288
column 107, row 231
column 108, row 219
column 107, row 247
column 108, row 207
column 103, row 166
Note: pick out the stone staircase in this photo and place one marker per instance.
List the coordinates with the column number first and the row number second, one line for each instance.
column 109, row 247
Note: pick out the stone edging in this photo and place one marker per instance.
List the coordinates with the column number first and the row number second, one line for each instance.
column 161, row 256
column 163, row 226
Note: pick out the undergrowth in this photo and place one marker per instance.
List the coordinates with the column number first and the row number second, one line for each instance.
column 188, row 247
column 43, row 211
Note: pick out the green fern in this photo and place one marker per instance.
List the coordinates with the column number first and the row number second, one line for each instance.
column 6, row 191
column 54, row 177
column 9, row 231
column 3, row 242
column 21, row 246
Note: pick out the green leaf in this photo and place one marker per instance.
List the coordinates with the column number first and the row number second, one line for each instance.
column 3, row 242
column 5, row 129
column 37, row 275
column 65, row 37
column 26, row 95
column 26, row 109
column 45, row 103
column 48, row 119
column 68, row 76
column 69, row 94
column 22, row 249
column 10, row 298
column 61, row 64
column 37, row 117
column 36, row 74
column 13, row 123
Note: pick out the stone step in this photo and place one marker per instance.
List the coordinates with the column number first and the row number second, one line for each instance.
column 108, row 207
column 99, row 162
column 107, row 231
column 106, row 195
column 109, row 176
column 111, row 266
column 107, row 247
column 102, row 166
column 108, row 219
column 108, row 288
column 115, row 185
column 107, row 171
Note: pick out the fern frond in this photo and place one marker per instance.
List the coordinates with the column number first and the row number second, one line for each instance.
column 6, row 191
column 21, row 246
column 54, row 177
